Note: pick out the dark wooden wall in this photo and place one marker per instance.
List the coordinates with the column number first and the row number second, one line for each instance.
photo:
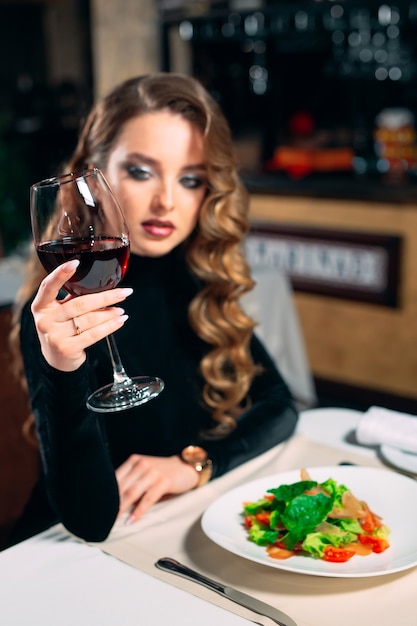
column 19, row 459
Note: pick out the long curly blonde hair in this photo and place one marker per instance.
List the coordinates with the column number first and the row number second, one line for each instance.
column 214, row 252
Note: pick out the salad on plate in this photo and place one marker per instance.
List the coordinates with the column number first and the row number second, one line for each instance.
column 321, row 520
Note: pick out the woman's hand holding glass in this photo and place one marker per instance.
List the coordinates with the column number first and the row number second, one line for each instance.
column 96, row 314
column 76, row 217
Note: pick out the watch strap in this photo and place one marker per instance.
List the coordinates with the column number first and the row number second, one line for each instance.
column 198, row 459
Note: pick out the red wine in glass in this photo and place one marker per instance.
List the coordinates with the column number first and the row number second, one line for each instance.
column 103, row 261
column 77, row 216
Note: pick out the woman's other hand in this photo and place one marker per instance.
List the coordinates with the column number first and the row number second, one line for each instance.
column 66, row 327
column 144, row 480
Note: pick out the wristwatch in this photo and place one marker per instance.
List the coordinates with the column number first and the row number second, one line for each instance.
column 198, row 458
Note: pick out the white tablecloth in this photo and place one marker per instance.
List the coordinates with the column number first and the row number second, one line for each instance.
column 54, row 580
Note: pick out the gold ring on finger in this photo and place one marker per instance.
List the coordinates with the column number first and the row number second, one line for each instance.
column 77, row 326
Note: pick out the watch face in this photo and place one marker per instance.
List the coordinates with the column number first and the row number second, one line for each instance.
column 194, row 454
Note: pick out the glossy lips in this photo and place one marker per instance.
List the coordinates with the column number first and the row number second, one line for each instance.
column 158, row 228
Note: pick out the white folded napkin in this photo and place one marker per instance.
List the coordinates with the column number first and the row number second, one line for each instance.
column 379, row 426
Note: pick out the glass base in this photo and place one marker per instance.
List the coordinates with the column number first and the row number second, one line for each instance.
column 122, row 396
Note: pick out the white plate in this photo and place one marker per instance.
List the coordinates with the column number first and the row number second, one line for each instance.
column 400, row 458
column 390, row 495
column 333, row 427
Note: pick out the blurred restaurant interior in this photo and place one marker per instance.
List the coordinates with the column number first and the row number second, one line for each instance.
column 321, row 97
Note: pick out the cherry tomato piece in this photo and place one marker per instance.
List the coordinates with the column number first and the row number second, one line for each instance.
column 337, row 555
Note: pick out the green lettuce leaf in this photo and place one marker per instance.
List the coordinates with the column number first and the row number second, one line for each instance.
column 350, row 525
column 252, row 508
column 285, row 493
column 335, row 490
column 304, row 512
column 314, row 543
column 262, row 536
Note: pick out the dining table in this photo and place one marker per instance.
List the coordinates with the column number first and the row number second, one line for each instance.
column 56, row 578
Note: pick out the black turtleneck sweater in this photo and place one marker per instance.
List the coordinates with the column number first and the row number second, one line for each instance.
column 80, row 449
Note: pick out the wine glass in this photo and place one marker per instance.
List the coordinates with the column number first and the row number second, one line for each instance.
column 77, row 216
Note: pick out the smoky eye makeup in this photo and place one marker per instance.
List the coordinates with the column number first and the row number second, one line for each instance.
column 137, row 172
column 193, row 181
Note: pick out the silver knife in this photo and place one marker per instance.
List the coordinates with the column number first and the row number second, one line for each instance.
column 261, row 608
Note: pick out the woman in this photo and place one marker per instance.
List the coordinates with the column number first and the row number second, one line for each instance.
column 165, row 148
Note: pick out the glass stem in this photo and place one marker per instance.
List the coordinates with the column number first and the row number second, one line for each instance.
column 119, row 375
